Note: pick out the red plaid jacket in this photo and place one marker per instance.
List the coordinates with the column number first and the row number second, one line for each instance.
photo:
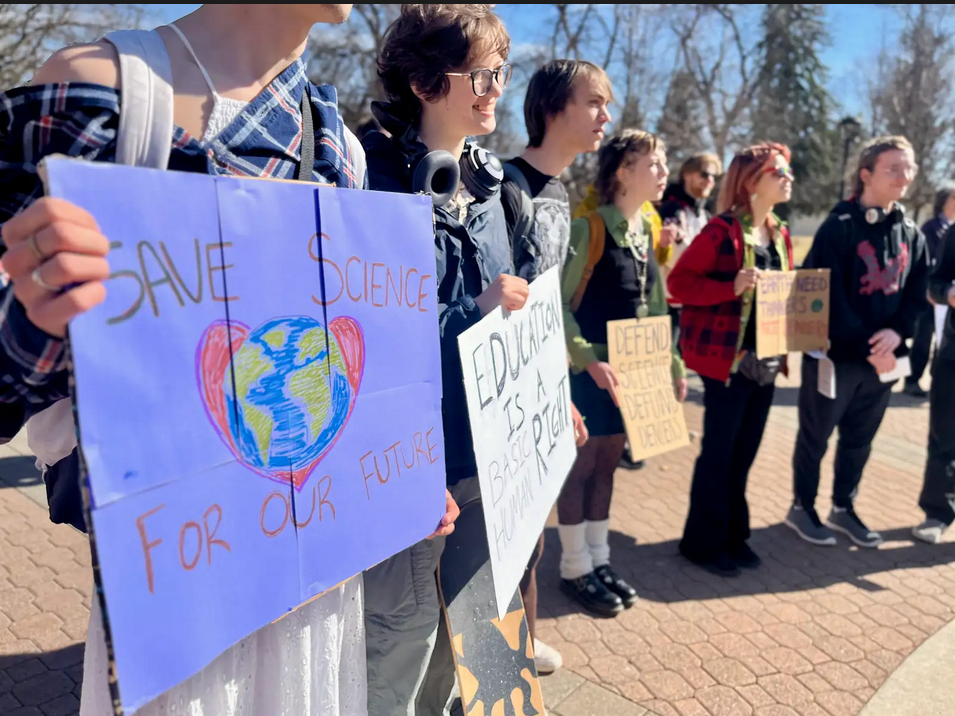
column 702, row 281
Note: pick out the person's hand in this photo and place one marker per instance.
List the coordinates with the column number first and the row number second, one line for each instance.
column 580, row 428
column 669, row 234
column 882, row 363
column 605, row 379
column 509, row 292
column 745, row 280
column 884, row 342
column 679, row 387
column 451, row 514
column 54, row 244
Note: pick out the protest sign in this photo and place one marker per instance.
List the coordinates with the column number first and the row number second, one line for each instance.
column 641, row 354
column 255, row 429
column 792, row 312
column 516, row 380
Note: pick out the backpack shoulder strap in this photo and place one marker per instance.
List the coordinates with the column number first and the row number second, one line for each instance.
column 525, row 219
column 145, row 120
column 595, row 251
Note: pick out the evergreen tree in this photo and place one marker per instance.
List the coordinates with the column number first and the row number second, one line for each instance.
column 682, row 123
column 792, row 105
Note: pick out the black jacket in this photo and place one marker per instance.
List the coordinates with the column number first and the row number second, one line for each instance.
column 469, row 256
column 939, row 284
column 879, row 277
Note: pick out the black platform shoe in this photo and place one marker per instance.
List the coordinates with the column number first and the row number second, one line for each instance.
column 591, row 593
column 628, row 595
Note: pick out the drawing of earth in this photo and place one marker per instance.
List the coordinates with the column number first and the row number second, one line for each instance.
column 288, row 394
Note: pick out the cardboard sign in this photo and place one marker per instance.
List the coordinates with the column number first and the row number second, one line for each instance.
column 255, row 429
column 518, row 393
column 641, row 354
column 792, row 312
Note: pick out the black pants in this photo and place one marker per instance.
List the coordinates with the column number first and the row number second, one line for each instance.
column 938, row 491
column 861, row 400
column 734, row 418
column 675, row 326
column 922, row 343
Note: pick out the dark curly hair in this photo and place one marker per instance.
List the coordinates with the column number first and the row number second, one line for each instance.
column 427, row 41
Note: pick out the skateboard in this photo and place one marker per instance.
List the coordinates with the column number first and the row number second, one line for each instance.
column 493, row 658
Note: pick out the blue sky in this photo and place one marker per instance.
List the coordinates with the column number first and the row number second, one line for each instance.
column 857, row 33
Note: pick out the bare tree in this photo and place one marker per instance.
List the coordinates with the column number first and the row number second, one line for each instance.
column 346, row 56
column 721, row 58
column 29, row 34
column 912, row 95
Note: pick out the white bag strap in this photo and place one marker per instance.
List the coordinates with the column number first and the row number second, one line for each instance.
column 145, row 118
column 144, row 140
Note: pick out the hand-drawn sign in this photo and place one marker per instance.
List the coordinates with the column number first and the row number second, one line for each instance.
column 312, row 448
column 792, row 312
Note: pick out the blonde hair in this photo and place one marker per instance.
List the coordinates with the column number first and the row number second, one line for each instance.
column 869, row 154
column 616, row 153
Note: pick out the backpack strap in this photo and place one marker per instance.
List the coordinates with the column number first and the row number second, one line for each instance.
column 595, row 251
column 145, row 118
column 524, row 220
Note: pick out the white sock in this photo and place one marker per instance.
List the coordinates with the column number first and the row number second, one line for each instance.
column 597, row 534
column 575, row 558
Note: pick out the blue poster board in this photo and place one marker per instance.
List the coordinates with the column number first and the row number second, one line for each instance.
column 259, row 402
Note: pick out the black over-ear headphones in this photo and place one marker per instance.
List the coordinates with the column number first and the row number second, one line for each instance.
column 481, row 171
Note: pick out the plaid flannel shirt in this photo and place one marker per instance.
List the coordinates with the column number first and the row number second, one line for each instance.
column 81, row 120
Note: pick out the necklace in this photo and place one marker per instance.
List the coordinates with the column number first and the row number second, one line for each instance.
column 640, row 249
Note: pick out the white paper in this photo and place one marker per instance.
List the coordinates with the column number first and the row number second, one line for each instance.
column 903, row 369
column 826, row 380
column 518, row 393
column 941, row 312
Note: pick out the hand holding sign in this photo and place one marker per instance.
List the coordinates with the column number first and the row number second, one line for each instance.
column 605, row 379
column 745, row 280
column 52, row 244
column 508, row 292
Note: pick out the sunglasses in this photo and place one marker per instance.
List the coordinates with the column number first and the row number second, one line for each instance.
column 780, row 172
column 481, row 79
column 706, row 176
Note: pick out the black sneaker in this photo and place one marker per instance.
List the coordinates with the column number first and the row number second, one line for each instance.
column 590, row 593
column 745, row 557
column 722, row 565
column 628, row 595
column 845, row 520
column 914, row 390
column 628, row 463
column 805, row 522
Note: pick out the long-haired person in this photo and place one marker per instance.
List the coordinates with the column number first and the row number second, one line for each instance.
column 715, row 280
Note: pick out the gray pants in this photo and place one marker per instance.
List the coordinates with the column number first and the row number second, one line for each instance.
column 410, row 665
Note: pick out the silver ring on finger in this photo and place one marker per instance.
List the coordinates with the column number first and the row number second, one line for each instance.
column 38, row 280
column 40, row 256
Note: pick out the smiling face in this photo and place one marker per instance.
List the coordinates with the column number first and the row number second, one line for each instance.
column 890, row 178
column 644, row 176
column 460, row 112
column 775, row 183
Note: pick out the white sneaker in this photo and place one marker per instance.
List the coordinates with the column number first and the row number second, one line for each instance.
column 930, row 531
column 546, row 658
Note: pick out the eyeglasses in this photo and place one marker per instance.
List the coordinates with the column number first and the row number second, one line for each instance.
column 907, row 171
column 481, row 79
column 780, row 172
column 706, row 176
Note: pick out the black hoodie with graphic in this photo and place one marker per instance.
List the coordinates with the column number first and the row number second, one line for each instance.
column 879, row 277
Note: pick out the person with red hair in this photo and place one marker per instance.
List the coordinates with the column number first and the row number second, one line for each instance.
column 715, row 280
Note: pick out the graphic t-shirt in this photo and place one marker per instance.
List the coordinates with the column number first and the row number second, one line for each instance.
column 546, row 241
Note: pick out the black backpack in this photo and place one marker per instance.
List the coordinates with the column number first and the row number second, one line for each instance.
column 525, row 218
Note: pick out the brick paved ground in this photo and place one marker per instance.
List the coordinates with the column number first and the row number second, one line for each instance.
column 814, row 633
